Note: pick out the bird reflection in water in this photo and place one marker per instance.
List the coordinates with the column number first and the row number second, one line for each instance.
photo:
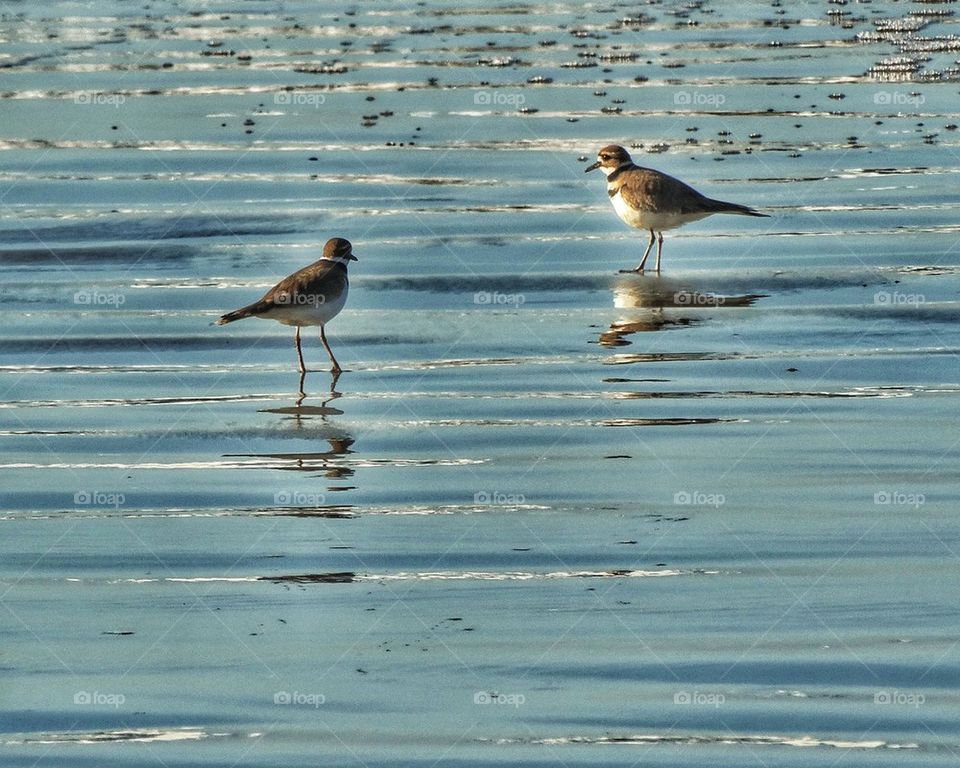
column 314, row 419
column 298, row 409
column 642, row 300
column 328, row 463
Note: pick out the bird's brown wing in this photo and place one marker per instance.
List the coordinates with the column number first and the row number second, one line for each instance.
column 320, row 277
column 650, row 190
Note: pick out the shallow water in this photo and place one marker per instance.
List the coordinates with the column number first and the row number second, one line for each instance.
column 551, row 514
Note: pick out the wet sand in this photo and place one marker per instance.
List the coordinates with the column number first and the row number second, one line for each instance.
column 550, row 514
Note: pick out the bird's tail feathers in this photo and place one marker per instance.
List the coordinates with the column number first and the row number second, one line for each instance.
column 719, row 206
column 238, row 314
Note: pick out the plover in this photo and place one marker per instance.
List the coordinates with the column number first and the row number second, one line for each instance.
column 311, row 296
column 651, row 200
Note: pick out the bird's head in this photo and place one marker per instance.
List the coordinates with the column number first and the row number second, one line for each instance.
column 338, row 249
column 609, row 159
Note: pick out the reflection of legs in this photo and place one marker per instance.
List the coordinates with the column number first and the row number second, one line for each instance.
column 301, row 392
column 639, row 267
column 336, row 366
column 300, row 355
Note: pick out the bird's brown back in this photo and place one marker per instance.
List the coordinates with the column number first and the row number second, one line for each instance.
column 321, row 277
column 650, row 190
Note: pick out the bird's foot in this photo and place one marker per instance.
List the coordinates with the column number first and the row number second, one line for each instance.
column 634, row 271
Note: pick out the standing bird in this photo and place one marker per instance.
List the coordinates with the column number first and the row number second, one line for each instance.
column 648, row 199
column 312, row 296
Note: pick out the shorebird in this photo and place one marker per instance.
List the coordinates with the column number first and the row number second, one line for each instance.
column 311, row 296
column 651, row 200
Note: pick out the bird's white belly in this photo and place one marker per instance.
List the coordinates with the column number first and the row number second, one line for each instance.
column 306, row 309
column 657, row 221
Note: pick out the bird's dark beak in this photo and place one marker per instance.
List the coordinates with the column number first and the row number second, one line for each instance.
column 592, row 167
column 351, row 257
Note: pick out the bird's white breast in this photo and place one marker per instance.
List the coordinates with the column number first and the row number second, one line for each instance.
column 657, row 221
column 309, row 309
column 630, row 216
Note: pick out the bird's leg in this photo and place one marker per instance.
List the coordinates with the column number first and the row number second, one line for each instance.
column 300, row 353
column 336, row 366
column 639, row 267
column 659, row 247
